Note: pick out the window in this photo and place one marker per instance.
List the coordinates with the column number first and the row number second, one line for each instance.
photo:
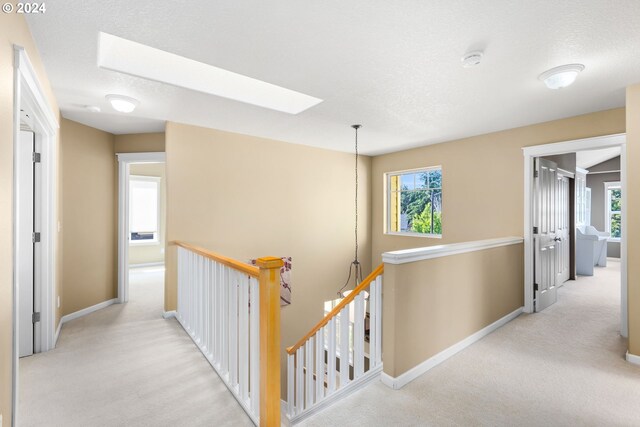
column 144, row 199
column 414, row 200
column 613, row 208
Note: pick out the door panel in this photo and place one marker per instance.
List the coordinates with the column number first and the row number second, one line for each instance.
column 546, row 224
column 24, row 243
column 562, row 232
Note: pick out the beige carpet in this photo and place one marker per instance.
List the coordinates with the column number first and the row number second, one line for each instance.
column 562, row 367
column 125, row 366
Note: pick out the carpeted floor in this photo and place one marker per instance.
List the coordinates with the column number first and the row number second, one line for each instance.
column 125, row 366
column 562, row 367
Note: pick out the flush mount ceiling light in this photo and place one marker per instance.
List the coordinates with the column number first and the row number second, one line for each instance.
column 472, row 59
column 136, row 59
column 562, row 76
column 124, row 104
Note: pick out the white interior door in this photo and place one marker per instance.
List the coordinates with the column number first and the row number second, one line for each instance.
column 545, row 239
column 24, row 244
column 562, row 231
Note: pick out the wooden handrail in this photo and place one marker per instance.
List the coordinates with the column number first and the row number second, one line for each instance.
column 251, row 270
column 346, row 300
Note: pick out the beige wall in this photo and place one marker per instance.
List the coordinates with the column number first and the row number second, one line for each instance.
column 151, row 253
column 482, row 179
column 89, row 184
column 247, row 197
column 139, row 143
column 13, row 30
column 632, row 198
column 430, row 305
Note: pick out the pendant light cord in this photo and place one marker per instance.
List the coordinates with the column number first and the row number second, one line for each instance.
column 356, row 127
column 355, row 265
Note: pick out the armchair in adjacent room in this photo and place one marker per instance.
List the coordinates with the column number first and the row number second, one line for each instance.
column 591, row 249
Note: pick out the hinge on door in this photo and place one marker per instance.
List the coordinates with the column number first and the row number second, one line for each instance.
column 535, row 230
column 35, row 317
column 35, row 157
column 35, row 237
column 535, row 174
column 535, row 287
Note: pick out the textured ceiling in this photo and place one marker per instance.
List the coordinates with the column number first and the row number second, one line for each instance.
column 392, row 66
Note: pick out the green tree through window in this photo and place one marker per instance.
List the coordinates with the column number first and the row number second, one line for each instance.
column 415, row 200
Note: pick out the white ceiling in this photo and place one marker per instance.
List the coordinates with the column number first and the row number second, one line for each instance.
column 586, row 159
column 392, row 66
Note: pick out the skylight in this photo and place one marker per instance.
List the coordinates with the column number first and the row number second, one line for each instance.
column 136, row 59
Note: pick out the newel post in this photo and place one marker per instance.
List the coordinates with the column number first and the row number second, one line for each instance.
column 269, row 340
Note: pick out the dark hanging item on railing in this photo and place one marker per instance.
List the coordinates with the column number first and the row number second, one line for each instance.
column 355, row 269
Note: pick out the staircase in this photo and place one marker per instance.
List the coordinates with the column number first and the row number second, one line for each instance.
column 231, row 310
column 341, row 354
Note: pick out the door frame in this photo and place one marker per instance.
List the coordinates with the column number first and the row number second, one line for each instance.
column 28, row 95
column 124, row 162
column 594, row 143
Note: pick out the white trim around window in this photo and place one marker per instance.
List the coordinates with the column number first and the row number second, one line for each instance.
column 388, row 228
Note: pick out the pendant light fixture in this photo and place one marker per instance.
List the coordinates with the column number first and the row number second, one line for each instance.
column 355, row 269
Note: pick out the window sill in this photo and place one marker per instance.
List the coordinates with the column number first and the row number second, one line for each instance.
column 614, row 239
column 143, row 242
column 429, row 236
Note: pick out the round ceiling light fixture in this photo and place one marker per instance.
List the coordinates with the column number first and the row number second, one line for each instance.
column 472, row 59
column 123, row 104
column 562, row 76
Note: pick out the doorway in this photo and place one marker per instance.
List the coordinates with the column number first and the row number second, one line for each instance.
column 541, row 296
column 35, row 219
column 141, row 219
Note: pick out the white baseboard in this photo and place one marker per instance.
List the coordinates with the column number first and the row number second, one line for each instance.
column 632, row 358
column 88, row 310
column 147, row 264
column 55, row 338
column 413, row 373
column 169, row 314
column 350, row 388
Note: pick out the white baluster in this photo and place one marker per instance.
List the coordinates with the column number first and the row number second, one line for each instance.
column 320, row 364
column 216, row 314
column 378, row 325
column 224, row 362
column 373, row 316
column 344, row 346
column 358, row 336
column 290, row 384
column 254, row 319
column 198, row 324
column 233, row 328
column 209, row 300
column 331, row 357
column 309, row 372
column 299, row 380
column 212, row 308
column 189, row 285
column 180, row 284
column 243, row 345
column 219, row 286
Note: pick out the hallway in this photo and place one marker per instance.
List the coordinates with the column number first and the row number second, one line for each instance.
column 125, row 365
column 573, row 375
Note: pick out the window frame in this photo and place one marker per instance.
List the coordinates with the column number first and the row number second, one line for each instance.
column 387, row 202
column 608, row 186
column 156, row 237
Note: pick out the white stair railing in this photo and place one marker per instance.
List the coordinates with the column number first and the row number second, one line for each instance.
column 219, row 307
column 337, row 356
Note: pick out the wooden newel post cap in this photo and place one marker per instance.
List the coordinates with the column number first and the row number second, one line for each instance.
column 269, row 262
